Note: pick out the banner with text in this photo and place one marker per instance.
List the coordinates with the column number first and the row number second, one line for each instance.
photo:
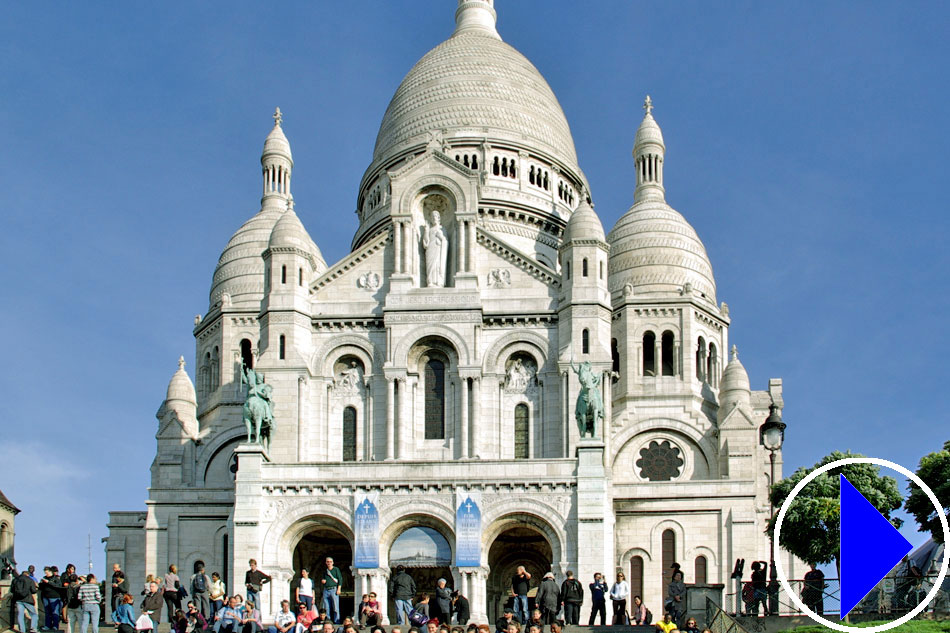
column 468, row 529
column 366, row 530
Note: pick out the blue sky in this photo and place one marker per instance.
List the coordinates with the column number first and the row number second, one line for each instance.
column 806, row 143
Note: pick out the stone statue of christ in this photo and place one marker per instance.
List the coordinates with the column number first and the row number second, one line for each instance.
column 435, row 241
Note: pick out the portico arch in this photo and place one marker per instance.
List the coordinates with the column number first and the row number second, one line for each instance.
column 436, row 331
column 426, row 562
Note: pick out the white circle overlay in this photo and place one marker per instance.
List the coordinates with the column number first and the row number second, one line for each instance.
column 780, row 571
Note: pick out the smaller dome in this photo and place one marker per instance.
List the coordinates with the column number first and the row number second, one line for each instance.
column 289, row 232
column 180, row 386
column 734, row 386
column 584, row 224
column 276, row 143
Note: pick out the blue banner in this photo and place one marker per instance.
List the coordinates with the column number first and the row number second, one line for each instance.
column 366, row 532
column 468, row 530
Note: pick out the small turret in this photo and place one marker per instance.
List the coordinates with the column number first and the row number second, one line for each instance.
column 734, row 389
column 476, row 16
column 648, row 153
column 277, row 163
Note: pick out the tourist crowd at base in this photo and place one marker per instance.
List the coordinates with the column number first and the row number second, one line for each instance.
column 203, row 604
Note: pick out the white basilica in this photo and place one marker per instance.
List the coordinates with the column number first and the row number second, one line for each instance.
column 423, row 385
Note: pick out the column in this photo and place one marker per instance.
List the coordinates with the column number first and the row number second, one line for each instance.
column 463, row 431
column 476, row 417
column 367, row 419
column 301, row 382
column 390, row 418
column 478, row 594
column 658, row 354
column 500, row 451
column 397, row 248
column 541, row 451
column 459, row 240
column 403, row 428
column 566, row 412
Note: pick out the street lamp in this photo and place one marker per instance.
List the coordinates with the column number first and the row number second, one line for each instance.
column 772, row 435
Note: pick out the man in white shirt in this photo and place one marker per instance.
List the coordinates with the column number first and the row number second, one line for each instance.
column 284, row 620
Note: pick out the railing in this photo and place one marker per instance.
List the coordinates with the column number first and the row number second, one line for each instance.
column 718, row 621
column 890, row 596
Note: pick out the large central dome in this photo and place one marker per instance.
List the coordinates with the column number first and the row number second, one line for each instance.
column 475, row 82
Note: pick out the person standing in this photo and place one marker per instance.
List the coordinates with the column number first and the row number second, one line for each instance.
column 572, row 597
column 50, row 587
column 23, row 590
column 254, row 580
column 200, row 585
column 677, row 596
column 74, row 604
column 152, row 605
column 598, row 598
column 120, row 587
column 618, row 596
column 462, row 608
column 759, row 586
column 548, row 599
column 520, row 584
column 90, row 597
column 443, row 601
column 304, row 593
column 170, row 587
column 331, row 582
column 403, row 589
column 216, row 592
column 814, row 589
column 67, row 579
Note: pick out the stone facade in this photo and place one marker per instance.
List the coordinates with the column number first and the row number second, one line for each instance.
column 387, row 381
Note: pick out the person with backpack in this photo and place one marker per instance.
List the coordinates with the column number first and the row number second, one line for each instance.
column 547, row 599
column 403, row 589
column 200, row 584
column 23, row 591
column 74, row 604
column 572, row 597
column 640, row 615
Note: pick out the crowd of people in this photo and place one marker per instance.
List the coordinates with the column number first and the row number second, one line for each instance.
column 202, row 603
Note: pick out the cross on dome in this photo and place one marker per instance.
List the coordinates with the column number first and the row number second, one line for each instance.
column 648, row 105
column 734, row 352
column 278, row 117
column 181, row 362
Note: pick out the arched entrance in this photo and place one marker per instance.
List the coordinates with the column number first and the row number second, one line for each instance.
column 427, row 557
column 311, row 552
column 520, row 543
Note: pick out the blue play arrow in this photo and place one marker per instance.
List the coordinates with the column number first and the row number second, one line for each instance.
column 870, row 546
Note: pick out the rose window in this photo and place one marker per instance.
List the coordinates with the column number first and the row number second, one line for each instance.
column 660, row 461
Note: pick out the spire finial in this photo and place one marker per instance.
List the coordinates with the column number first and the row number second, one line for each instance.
column 181, row 363
column 734, row 353
column 278, row 117
column 648, row 105
column 476, row 16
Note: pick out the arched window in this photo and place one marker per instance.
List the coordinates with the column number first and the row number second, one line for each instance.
column 614, row 355
column 6, row 540
column 215, row 368
column 496, row 167
column 584, row 267
column 601, row 270
column 585, row 342
column 712, row 366
column 699, row 576
column 521, row 431
column 649, row 354
column 300, row 276
column 283, row 347
column 701, row 360
column 349, row 434
column 667, row 350
column 636, row 577
column 247, row 355
column 283, row 274
column 474, row 161
column 568, row 270
column 669, row 557
column 531, row 175
column 205, row 382
column 435, row 400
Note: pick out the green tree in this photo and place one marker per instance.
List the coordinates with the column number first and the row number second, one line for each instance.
column 811, row 528
column 934, row 470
